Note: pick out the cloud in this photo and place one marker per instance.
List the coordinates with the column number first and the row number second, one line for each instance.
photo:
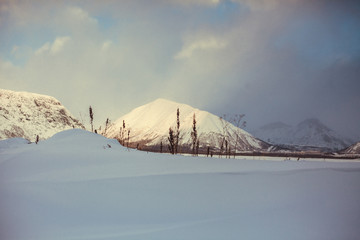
column 200, row 45
column 106, row 45
column 265, row 5
column 58, row 44
column 196, row 2
column 14, row 49
column 11, row 76
column 275, row 56
column 19, row 14
column 53, row 48
column 43, row 49
column 260, row 58
column 80, row 15
column 104, row 69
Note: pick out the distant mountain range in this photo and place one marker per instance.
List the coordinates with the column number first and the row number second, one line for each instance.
column 27, row 115
column 308, row 133
column 149, row 128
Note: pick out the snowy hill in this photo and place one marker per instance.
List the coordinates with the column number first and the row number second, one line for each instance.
column 81, row 185
column 149, row 126
column 26, row 115
column 310, row 132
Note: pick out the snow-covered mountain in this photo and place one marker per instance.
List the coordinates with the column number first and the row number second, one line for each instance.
column 27, row 115
column 310, row 132
column 277, row 132
column 353, row 149
column 149, row 126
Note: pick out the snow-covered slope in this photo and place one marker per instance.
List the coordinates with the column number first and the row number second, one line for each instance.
column 310, row 132
column 150, row 123
column 353, row 149
column 27, row 115
column 80, row 185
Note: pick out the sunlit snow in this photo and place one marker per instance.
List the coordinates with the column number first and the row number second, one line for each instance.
column 24, row 114
column 152, row 121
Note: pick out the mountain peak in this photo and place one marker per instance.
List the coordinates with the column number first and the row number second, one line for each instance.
column 163, row 101
column 314, row 123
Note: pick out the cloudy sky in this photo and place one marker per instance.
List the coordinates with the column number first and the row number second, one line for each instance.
column 273, row 60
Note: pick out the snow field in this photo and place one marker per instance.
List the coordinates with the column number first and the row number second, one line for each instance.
column 75, row 186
